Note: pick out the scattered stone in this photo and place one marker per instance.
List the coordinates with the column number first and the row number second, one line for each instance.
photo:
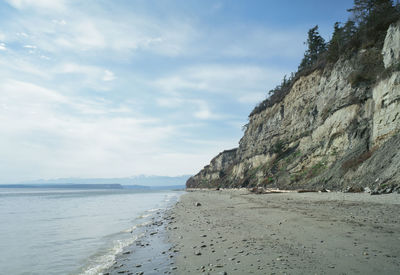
column 197, row 253
column 197, row 204
column 138, row 265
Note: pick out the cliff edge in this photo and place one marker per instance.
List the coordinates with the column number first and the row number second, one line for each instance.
column 334, row 129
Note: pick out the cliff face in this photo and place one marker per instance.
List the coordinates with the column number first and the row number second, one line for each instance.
column 335, row 128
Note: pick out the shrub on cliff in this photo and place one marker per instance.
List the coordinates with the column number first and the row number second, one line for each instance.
column 365, row 29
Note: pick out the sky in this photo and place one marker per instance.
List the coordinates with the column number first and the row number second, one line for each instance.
column 121, row 88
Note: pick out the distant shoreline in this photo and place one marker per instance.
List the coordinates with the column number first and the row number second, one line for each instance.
column 93, row 186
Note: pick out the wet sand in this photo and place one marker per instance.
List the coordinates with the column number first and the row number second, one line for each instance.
column 151, row 253
column 237, row 232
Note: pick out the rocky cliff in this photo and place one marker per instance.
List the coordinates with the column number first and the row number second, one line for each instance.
column 336, row 128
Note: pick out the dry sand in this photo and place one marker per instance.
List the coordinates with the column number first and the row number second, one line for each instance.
column 236, row 232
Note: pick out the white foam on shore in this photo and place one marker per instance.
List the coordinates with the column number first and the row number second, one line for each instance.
column 103, row 262
column 154, row 210
column 144, row 216
column 131, row 229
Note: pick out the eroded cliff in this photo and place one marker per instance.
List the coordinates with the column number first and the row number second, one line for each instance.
column 334, row 129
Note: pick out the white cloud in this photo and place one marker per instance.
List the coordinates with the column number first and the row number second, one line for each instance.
column 203, row 113
column 92, row 75
column 41, row 123
column 61, row 22
column 22, row 34
column 40, row 5
column 265, row 43
column 252, row 98
column 57, row 108
column 169, row 102
column 22, row 67
column 121, row 32
column 229, row 79
column 108, row 76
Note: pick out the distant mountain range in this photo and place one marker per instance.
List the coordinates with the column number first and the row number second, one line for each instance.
column 136, row 182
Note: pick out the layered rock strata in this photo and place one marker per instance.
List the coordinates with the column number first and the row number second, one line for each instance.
column 330, row 131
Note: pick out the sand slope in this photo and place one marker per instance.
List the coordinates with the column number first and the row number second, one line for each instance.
column 309, row 233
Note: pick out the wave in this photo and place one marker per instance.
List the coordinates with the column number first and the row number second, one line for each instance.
column 105, row 261
column 154, row 210
column 133, row 228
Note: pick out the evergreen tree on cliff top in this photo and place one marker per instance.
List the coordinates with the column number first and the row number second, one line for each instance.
column 316, row 46
column 373, row 17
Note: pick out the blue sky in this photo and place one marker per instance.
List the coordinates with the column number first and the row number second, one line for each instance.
column 120, row 88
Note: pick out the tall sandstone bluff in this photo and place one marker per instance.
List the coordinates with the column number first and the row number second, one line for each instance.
column 328, row 132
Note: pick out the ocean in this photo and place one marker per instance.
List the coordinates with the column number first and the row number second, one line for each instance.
column 64, row 231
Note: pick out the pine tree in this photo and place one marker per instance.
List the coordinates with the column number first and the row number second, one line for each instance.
column 372, row 18
column 316, row 46
column 336, row 44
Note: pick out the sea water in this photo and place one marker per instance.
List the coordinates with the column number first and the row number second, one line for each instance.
column 53, row 231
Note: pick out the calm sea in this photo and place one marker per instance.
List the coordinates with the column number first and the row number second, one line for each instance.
column 53, row 231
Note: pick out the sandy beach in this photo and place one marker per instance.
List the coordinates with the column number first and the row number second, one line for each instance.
column 237, row 232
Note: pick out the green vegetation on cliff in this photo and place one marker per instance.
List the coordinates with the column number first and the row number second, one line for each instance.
column 365, row 29
column 333, row 124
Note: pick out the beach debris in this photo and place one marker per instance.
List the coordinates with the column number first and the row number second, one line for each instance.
column 353, row 189
column 306, row 191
